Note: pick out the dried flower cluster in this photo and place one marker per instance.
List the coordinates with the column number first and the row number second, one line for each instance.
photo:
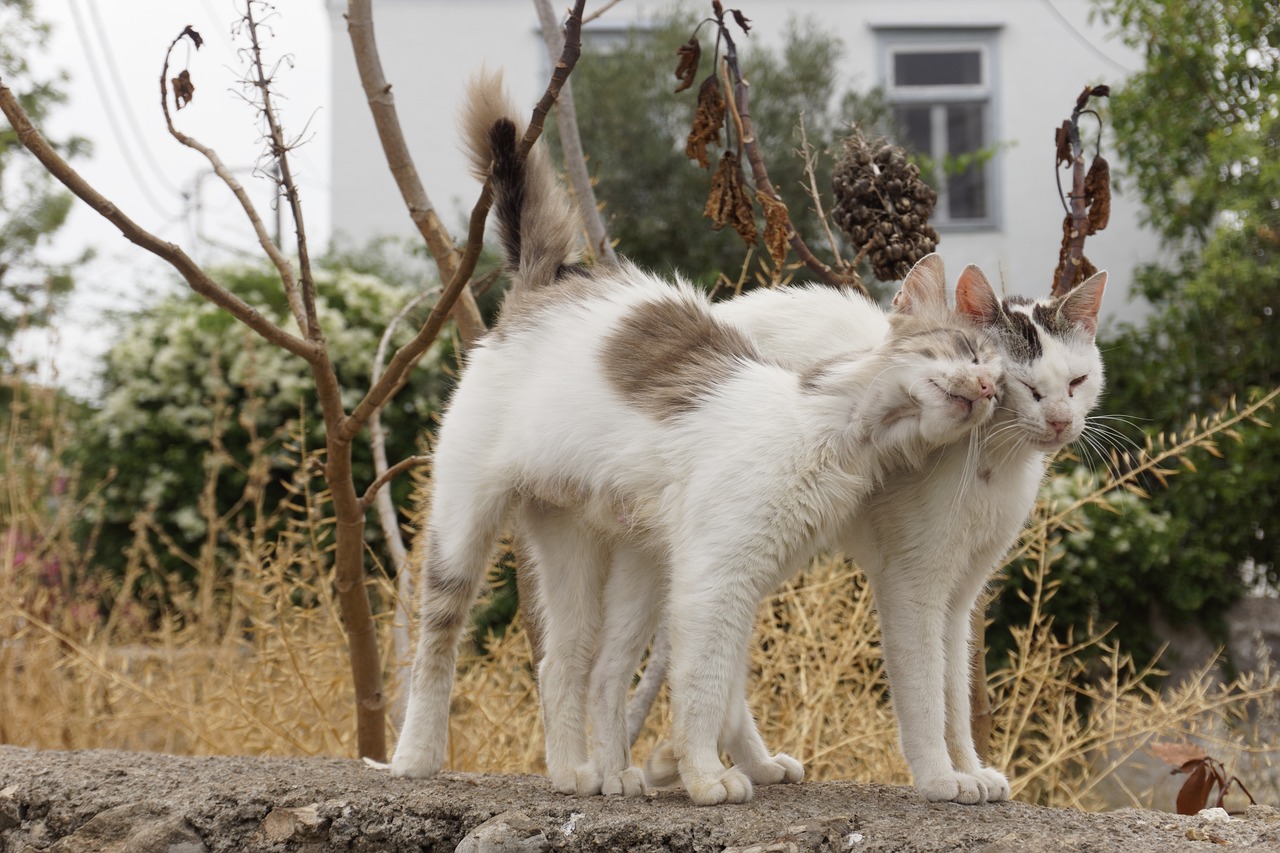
column 883, row 205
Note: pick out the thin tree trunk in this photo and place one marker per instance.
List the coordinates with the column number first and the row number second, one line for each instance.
column 575, row 161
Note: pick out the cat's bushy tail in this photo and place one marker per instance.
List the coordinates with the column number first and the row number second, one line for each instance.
column 537, row 222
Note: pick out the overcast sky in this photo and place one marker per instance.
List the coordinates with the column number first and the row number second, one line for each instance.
column 113, row 53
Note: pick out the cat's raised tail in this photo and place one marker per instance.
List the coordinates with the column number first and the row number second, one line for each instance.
column 537, row 222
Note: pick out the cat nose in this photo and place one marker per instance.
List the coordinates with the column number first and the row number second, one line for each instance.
column 1059, row 426
column 986, row 389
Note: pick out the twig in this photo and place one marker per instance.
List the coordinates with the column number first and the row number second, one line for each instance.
column 280, row 150
column 807, row 152
column 598, row 12
column 366, row 500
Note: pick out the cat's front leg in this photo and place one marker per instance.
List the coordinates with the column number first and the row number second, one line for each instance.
column 709, row 635
column 964, row 755
column 913, row 625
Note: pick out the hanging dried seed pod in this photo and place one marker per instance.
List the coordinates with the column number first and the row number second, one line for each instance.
column 708, row 118
column 729, row 203
column 883, row 206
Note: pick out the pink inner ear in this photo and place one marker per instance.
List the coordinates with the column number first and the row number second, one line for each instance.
column 1081, row 306
column 974, row 296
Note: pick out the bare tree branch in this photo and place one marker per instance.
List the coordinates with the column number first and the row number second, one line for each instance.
column 278, row 260
column 382, row 106
column 575, row 162
column 740, row 105
column 197, row 279
column 405, row 357
column 367, row 499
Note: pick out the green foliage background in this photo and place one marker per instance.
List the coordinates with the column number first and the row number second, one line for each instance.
column 1199, row 136
column 32, row 206
column 151, row 436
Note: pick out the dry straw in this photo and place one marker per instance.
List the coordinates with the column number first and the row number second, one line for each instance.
column 250, row 656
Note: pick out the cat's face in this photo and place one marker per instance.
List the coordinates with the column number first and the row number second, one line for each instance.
column 1053, row 370
column 948, row 368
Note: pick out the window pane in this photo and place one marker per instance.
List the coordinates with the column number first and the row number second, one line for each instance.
column 915, row 128
column 967, row 190
column 945, row 68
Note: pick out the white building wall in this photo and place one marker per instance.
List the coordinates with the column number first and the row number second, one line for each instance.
column 1045, row 53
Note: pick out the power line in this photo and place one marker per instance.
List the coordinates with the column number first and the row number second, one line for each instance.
column 1084, row 40
column 123, row 94
column 112, row 119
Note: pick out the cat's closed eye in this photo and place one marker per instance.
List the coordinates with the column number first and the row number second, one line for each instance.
column 1035, row 395
column 1076, row 383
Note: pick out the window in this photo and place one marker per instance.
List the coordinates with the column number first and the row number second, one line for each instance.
column 938, row 83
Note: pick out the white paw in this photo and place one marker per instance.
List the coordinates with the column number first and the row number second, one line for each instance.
column 587, row 781
column 663, row 769
column 782, row 768
column 953, row 787
column 731, row 786
column 415, row 762
column 628, row 783
column 995, row 783
column 564, row 780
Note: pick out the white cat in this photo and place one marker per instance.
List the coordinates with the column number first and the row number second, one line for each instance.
column 650, row 458
column 931, row 535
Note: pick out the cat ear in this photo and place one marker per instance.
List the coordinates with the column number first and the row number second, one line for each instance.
column 1080, row 307
column 976, row 298
column 924, row 288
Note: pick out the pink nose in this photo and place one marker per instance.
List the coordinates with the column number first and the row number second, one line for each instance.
column 985, row 390
column 1059, row 426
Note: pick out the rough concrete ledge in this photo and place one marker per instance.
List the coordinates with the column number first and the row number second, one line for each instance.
column 105, row 801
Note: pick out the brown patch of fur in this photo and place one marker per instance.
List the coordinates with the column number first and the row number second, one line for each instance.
column 669, row 353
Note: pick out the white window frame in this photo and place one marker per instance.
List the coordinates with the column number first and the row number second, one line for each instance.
column 982, row 39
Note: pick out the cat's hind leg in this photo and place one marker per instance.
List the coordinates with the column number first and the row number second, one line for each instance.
column 742, row 740
column 571, row 563
column 461, row 530
column 633, row 601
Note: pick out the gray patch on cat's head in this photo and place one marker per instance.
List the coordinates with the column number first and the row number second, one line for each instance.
column 1017, row 330
column 667, row 354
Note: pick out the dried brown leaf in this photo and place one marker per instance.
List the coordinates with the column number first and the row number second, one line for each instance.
column 195, row 37
column 708, row 118
column 1097, row 194
column 183, row 89
column 1062, row 139
column 777, row 225
column 743, row 21
column 728, row 203
column 1194, row 794
column 687, row 69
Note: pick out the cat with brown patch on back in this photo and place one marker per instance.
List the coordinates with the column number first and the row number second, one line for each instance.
column 656, row 465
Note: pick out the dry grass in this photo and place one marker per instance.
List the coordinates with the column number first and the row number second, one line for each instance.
column 250, row 657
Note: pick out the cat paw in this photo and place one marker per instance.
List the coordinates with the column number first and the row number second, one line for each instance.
column 782, row 768
column 662, row 770
column 414, row 762
column 731, row 786
column 955, row 788
column 628, row 783
column 581, row 781
column 995, row 783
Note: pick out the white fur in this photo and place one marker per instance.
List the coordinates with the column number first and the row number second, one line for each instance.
column 626, row 513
